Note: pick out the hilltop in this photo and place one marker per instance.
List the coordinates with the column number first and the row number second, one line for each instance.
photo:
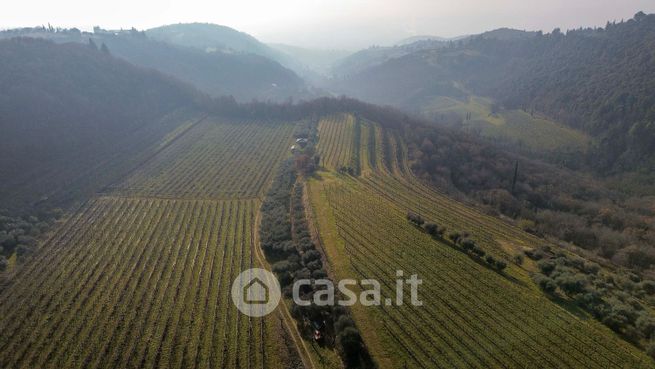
column 593, row 80
column 245, row 76
column 72, row 115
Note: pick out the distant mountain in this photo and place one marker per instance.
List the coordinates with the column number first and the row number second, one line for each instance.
column 411, row 40
column 213, row 38
column 506, row 34
column 245, row 76
column 73, row 115
column 316, row 60
column 377, row 55
column 596, row 80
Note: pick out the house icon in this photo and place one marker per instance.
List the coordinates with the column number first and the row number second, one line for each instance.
column 256, row 292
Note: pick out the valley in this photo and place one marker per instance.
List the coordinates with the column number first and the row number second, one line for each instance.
column 188, row 195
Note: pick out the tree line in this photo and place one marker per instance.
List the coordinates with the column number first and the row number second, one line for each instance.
column 287, row 243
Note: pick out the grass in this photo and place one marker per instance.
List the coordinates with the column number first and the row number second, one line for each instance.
column 516, row 126
column 472, row 317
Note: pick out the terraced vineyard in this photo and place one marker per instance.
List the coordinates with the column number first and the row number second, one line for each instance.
column 214, row 160
column 472, row 316
column 141, row 278
column 337, row 146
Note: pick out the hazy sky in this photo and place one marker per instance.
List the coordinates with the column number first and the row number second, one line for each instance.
column 326, row 23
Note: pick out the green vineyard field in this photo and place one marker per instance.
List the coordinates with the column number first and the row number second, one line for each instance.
column 472, row 316
column 336, row 146
column 140, row 277
column 214, row 160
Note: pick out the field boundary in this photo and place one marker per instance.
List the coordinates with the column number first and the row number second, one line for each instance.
column 283, row 309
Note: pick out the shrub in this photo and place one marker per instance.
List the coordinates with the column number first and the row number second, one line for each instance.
column 350, row 344
column 24, row 250
column 314, row 264
column 319, row 274
column 572, row 283
column 490, row 260
column 454, row 236
column 415, row 218
column 650, row 350
column 546, row 266
column 501, row 265
column 527, row 225
column 646, row 325
column 591, row 268
column 310, row 256
column 546, row 283
column 534, row 254
column 615, row 321
column 430, row 228
column 648, row 287
column 468, row 244
column 305, row 244
column 281, row 266
column 3, row 263
column 342, row 323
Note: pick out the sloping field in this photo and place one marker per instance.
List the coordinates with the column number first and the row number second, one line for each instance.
column 214, row 160
column 472, row 316
column 516, row 126
column 141, row 278
column 336, row 146
column 82, row 171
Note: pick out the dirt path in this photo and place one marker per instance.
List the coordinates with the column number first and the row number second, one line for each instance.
column 283, row 308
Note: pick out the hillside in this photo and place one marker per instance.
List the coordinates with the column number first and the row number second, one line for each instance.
column 244, row 76
column 411, row 40
column 216, row 38
column 210, row 37
column 362, row 60
column 188, row 197
column 140, row 276
column 473, row 315
column 595, row 80
column 149, row 259
column 74, row 117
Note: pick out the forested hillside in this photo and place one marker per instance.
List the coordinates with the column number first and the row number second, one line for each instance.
column 210, row 36
column 596, row 80
column 67, row 109
column 216, row 39
column 362, row 60
column 245, row 76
